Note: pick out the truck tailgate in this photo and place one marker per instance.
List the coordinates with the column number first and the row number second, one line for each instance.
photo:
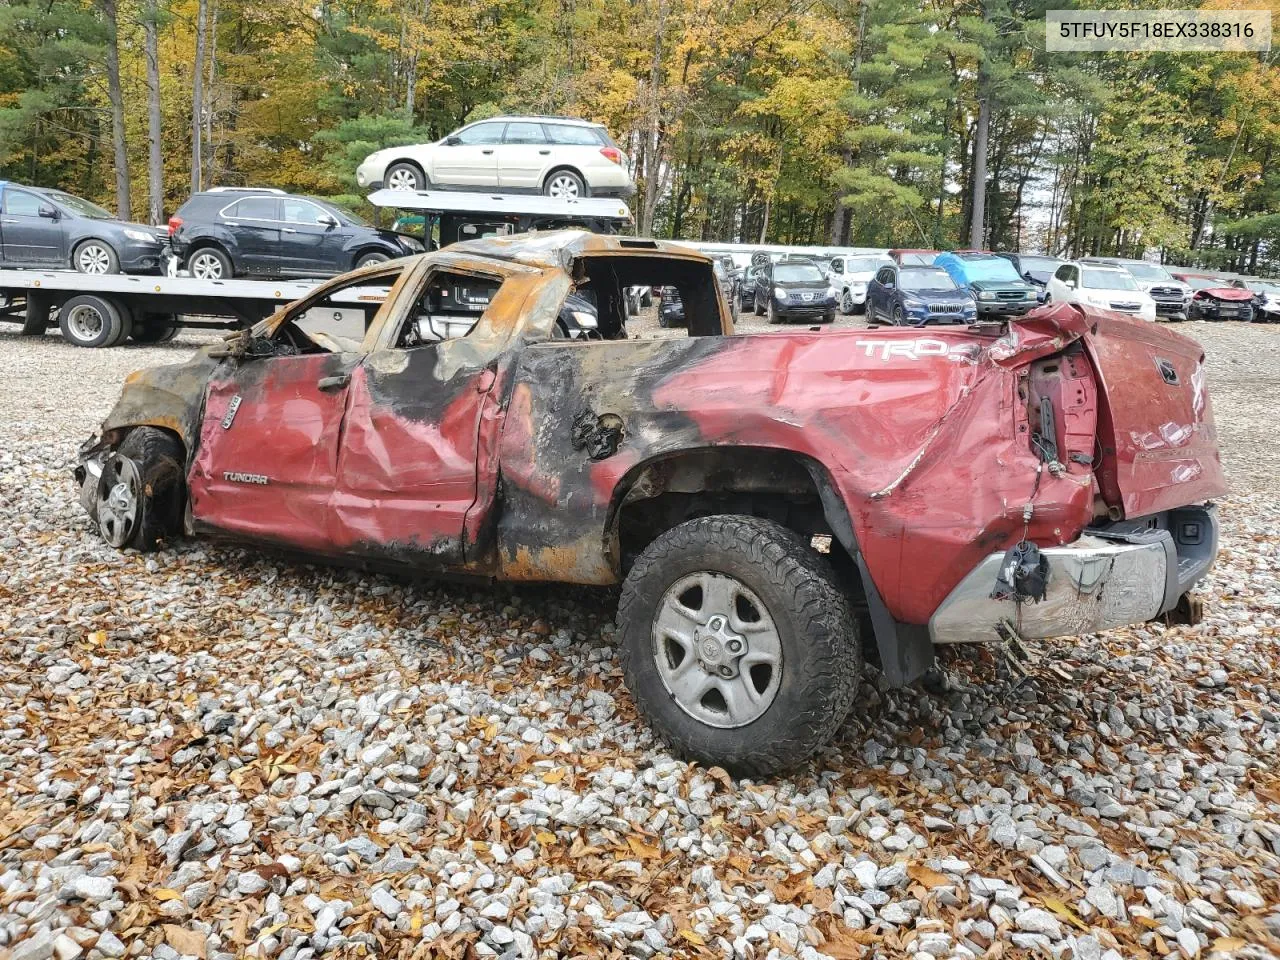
column 1155, row 428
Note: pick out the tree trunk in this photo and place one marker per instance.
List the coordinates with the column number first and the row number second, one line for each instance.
column 210, row 148
column 839, row 217
column 653, row 133
column 197, row 99
column 155, row 158
column 978, row 183
column 124, row 207
column 764, row 222
column 979, row 202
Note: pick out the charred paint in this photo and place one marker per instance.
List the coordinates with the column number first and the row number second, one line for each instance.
column 506, row 453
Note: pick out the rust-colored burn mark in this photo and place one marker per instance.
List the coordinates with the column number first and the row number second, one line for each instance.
column 507, row 454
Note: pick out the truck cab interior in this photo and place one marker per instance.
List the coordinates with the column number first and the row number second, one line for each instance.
column 605, row 279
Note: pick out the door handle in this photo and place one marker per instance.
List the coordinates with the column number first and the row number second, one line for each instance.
column 8, row 220
column 486, row 152
column 288, row 230
column 334, row 383
column 544, row 152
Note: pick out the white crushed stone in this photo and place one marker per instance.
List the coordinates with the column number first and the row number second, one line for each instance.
column 286, row 760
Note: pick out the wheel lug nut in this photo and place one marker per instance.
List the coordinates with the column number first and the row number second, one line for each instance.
column 734, row 646
column 726, row 672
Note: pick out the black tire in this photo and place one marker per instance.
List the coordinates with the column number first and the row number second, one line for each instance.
column 829, row 316
column 821, row 656
column 565, row 183
column 154, row 328
column 151, row 462
column 36, row 320
column 96, row 257
column 897, row 316
column 847, row 306
column 404, row 173
column 757, row 306
column 646, row 297
column 771, row 313
column 210, row 263
column 90, row 321
column 370, row 258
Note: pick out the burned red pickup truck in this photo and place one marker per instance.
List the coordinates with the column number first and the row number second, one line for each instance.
column 766, row 501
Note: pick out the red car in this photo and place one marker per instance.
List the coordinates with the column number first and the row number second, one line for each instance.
column 762, row 499
column 1214, row 298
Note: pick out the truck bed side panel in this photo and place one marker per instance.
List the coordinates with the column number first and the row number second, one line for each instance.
column 918, row 432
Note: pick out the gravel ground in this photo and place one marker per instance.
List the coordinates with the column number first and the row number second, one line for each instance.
column 210, row 752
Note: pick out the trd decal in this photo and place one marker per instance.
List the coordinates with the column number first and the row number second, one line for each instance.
column 232, row 407
column 233, row 477
column 916, row 349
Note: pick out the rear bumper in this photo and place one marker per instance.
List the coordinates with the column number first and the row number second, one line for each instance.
column 1125, row 573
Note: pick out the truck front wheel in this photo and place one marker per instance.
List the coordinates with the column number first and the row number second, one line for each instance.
column 137, row 500
column 737, row 643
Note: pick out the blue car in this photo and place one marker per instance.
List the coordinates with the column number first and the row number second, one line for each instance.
column 996, row 286
column 917, row 295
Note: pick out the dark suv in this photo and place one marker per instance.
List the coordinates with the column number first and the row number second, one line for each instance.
column 795, row 289
column 226, row 232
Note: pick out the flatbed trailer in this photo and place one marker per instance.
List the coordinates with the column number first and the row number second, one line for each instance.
column 106, row 310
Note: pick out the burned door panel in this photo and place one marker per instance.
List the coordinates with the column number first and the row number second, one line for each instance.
column 267, row 458
column 407, row 469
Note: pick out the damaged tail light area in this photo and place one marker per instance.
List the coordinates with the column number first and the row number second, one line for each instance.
column 1058, row 411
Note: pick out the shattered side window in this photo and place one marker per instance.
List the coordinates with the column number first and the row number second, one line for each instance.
column 618, row 297
column 449, row 307
column 336, row 319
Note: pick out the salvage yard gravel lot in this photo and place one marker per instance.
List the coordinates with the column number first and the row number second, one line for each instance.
column 214, row 752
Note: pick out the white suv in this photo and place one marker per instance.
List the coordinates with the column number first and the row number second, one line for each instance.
column 1099, row 285
column 849, row 275
column 555, row 156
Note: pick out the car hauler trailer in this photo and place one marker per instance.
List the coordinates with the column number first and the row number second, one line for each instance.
column 106, row 310
column 471, row 215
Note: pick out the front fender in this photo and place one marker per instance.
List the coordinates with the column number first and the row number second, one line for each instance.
column 170, row 397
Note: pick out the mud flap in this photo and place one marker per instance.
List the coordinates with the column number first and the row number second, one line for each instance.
column 906, row 650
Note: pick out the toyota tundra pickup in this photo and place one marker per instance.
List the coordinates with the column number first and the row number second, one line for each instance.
column 766, row 501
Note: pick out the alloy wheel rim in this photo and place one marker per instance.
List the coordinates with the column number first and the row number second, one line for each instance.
column 847, row 302
column 93, row 259
column 85, row 323
column 402, row 180
column 118, row 490
column 564, row 186
column 717, row 650
column 206, row 267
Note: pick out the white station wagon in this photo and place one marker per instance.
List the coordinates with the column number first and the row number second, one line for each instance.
column 556, row 156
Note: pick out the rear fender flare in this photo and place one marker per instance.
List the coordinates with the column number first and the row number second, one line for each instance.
column 906, row 650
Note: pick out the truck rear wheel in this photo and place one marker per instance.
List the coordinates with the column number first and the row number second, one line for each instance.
column 89, row 321
column 154, row 328
column 737, row 643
